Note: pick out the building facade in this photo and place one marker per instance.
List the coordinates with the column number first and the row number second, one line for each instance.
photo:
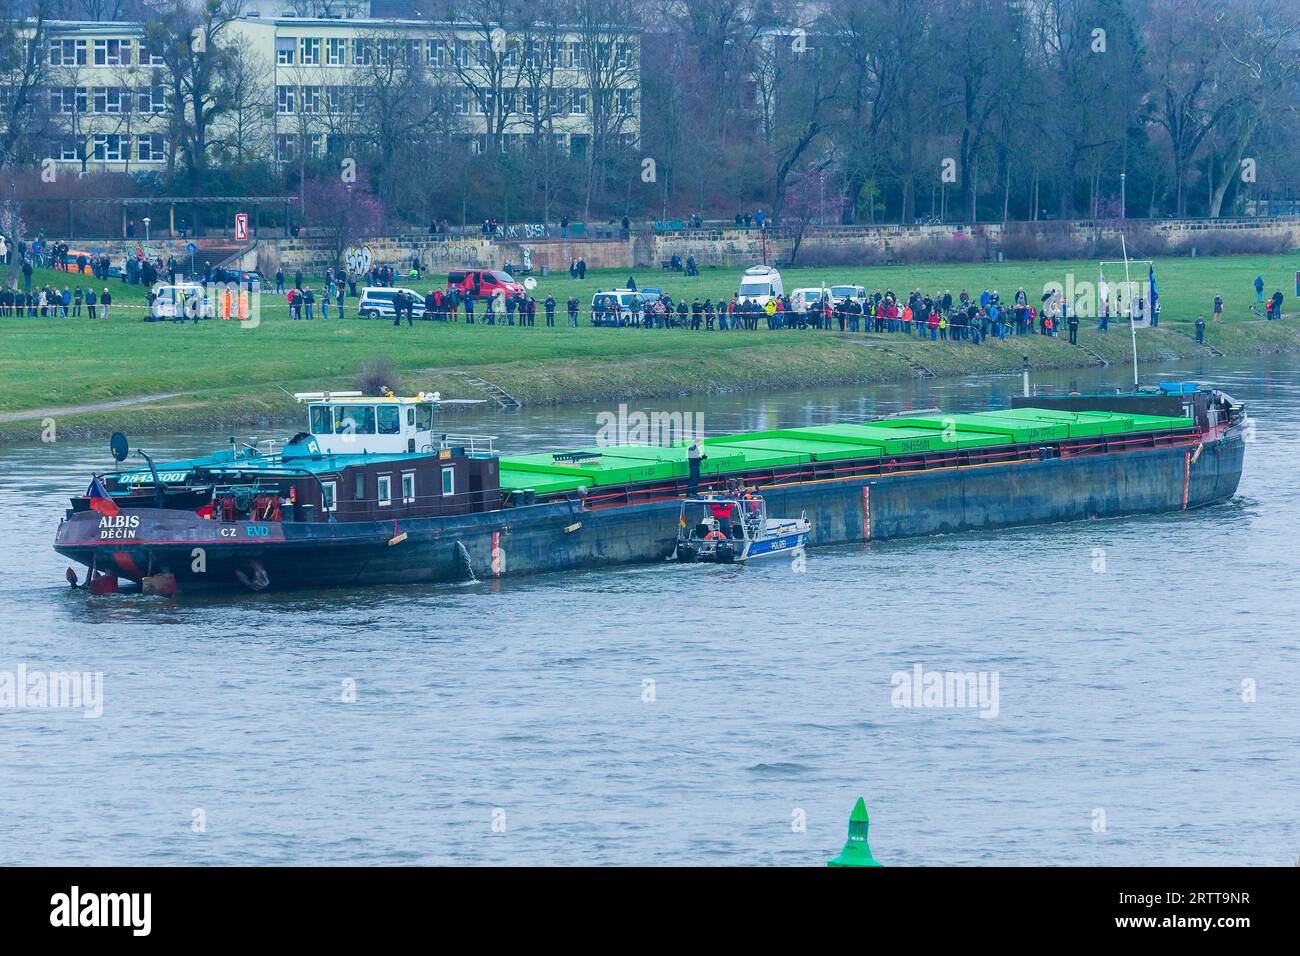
column 310, row 87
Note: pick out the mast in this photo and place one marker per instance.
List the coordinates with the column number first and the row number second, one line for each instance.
column 1128, row 286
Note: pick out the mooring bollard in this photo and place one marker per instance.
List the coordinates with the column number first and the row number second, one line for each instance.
column 856, row 852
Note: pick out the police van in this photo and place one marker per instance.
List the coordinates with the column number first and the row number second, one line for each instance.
column 377, row 302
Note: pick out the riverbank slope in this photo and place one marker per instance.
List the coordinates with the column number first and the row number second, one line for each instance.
column 83, row 378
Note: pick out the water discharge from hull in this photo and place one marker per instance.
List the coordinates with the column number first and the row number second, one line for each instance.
column 463, row 553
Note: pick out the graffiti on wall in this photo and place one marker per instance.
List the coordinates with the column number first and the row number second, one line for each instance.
column 358, row 259
column 524, row 230
column 452, row 253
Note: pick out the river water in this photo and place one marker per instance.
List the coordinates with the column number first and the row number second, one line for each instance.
column 1145, row 708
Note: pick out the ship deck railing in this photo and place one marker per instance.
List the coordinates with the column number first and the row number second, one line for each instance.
column 474, row 445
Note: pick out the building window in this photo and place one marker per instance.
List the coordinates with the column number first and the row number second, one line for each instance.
column 284, row 47
column 336, row 51
column 361, row 52
column 69, row 150
column 408, row 487
column 108, row 148
column 448, row 481
column 461, row 49
column 309, row 51
column 284, row 99
column 149, row 147
column 437, row 52
column 328, row 495
column 463, row 104
column 336, row 99
column 68, row 99
column 385, row 490
column 578, row 104
column 311, row 99
column 112, row 53
column 286, row 147
column 109, row 99
column 311, row 145
column 152, row 99
column 67, row 53
column 626, row 102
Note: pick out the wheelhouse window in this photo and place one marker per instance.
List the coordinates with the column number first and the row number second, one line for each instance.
column 320, row 420
column 354, row 419
column 408, row 487
column 359, row 492
column 385, row 490
column 390, row 420
column 449, row 481
column 328, row 495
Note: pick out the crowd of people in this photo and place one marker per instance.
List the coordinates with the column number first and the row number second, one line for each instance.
column 54, row 303
column 938, row 316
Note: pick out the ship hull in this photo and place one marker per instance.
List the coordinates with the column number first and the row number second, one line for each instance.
column 560, row 536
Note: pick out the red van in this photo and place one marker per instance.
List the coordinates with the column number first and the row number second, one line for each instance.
column 483, row 282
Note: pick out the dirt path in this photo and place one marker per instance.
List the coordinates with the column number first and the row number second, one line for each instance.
column 83, row 409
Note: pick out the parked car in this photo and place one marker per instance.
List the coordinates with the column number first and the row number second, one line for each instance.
column 376, row 302
column 180, row 302
column 249, row 278
column 482, row 283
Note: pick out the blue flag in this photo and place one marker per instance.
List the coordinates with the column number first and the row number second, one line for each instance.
column 1151, row 278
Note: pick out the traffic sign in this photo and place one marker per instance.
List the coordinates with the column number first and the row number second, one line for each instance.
column 241, row 227
column 191, row 248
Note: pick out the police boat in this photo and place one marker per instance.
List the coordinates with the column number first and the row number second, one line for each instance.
column 725, row 528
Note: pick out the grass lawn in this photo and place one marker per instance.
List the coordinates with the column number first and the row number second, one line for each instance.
column 53, row 362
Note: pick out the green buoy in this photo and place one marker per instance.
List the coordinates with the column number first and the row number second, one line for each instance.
column 856, row 851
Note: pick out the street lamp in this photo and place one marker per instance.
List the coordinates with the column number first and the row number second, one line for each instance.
column 145, row 220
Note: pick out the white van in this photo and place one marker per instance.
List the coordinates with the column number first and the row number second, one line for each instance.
column 759, row 284
column 800, row 299
column 845, row 293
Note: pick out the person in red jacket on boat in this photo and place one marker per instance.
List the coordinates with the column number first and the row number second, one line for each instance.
column 721, row 512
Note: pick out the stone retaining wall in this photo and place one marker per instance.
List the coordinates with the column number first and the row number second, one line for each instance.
column 718, row 247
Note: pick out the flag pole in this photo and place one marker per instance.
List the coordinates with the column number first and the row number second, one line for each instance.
column 1128, row 287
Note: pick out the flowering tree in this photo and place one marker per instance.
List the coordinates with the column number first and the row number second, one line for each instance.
column 811, row 200
column 341, row 211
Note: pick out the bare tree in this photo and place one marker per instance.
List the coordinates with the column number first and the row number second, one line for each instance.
column 1260, row 43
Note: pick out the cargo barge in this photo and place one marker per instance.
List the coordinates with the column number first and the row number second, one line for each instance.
column 372, row 494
